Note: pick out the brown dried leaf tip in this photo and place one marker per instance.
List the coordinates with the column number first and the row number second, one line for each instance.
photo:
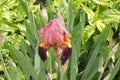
column 54, row 34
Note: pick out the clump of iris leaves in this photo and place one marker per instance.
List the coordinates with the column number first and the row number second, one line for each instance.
column 93, row 24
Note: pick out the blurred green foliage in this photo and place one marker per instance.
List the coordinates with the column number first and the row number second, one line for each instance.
column 93, row 24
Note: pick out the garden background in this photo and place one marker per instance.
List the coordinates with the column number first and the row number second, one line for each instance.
column 93, row 24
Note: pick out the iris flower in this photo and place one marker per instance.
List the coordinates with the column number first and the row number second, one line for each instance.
column 55, row 35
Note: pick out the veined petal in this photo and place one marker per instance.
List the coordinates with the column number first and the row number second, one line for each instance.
column 66, row 53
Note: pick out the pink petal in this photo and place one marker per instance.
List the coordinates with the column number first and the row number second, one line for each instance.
column 54, row 33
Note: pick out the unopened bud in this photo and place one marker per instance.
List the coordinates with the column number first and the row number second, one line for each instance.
column 43, row 14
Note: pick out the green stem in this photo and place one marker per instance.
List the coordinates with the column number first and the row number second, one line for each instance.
column 60, row 75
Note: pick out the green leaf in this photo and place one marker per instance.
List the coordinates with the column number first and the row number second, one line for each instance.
column 74, row 70
column 88, row 32
column 65, row 4
column 29, row 29
column 2, row 4
column 4, row 67
column 26, row 49
column 3, row 21
column 95, row 51
column 94, row 69
column 37, row 65
column 23, row 47
column 24, row 6
column 100, row 2
column 110, row 15
column 23, row 62
column 70, row 17
column 76, row 32
column 14, row 72
column 32, row 41
column 115, row 70
column 100, row 25
column 76, row 46
column 117, row 54
column 89, row 11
